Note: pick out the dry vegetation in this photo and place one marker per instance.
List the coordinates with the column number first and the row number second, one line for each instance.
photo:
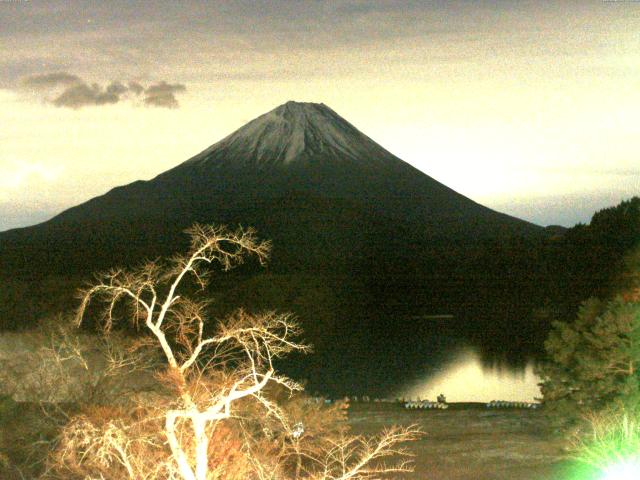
column 219, row 408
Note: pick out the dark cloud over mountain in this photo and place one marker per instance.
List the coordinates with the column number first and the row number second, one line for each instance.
column 163, row 94
column 81, row 95
column 136, row 88
column 64, row 89
column 116, row 88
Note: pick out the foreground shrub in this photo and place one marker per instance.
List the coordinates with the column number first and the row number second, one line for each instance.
column 609, row 443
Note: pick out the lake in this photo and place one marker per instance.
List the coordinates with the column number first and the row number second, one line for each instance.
column 465, row 378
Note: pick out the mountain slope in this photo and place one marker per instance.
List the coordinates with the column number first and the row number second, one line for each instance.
column 305, row 177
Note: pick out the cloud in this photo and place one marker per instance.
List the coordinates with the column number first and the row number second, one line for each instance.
column 116, row 88
column 50, row 80
column 366, row 7
column 80, row 95
column 71, row 91
column 163, row 94
column 136, row 88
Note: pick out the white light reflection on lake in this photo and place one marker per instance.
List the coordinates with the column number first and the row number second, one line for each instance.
column 465, row 379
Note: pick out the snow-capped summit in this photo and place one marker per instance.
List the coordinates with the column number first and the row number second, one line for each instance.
column 294, row 132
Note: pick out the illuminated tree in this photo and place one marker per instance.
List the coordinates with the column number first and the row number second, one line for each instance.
column 210, row 377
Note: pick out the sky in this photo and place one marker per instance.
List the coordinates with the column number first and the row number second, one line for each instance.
column 528, row 107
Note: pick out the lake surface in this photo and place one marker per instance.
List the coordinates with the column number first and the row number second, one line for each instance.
column 464, row 378
column 429, row 359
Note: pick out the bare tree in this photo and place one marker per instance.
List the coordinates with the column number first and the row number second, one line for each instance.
column 209, row 373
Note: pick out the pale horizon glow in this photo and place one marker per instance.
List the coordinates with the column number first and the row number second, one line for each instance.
column 529, row 108
column 16, row 175
column 464, row 379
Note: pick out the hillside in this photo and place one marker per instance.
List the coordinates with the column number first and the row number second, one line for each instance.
column 327, row 195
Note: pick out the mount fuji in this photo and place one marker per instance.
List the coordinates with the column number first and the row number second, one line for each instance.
column 327, row 195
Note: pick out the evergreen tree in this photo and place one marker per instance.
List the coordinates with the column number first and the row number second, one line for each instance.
column 593, row 362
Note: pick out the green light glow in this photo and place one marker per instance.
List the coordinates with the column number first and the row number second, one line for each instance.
column 611, row 449
column 625, row 470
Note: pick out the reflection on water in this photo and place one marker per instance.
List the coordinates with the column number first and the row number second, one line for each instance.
column 465, row 379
